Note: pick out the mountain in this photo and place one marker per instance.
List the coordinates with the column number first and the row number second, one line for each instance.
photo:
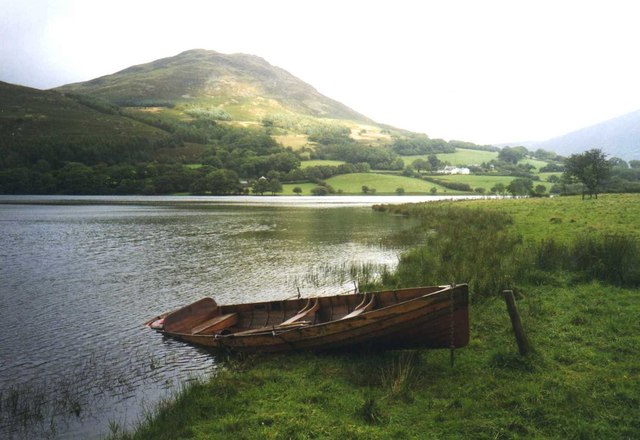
column 618, row 137
column 245, row 86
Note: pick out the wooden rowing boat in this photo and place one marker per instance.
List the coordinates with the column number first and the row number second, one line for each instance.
column 420, row 317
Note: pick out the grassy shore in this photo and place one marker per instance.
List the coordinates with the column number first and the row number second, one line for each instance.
column 581, row 382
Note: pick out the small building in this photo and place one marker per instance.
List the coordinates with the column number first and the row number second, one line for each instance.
column 454, row 170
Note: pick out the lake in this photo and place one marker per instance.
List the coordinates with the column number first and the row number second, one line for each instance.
column 79, row 276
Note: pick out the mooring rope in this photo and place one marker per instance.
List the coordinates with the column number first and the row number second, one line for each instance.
column 452, row 346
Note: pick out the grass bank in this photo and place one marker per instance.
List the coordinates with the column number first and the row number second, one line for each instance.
column 581, row 382
column 499, row 244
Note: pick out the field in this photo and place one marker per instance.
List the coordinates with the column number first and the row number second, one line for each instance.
column 295, row 141
column 545, row 176
column 462, row 156
column 317, row 163
column 582, row 380
column 306, row 187
column 570, row 217
column 466, row 157
column 536, row 163
column 485, row 181
column 369, row 134
column 383, row 184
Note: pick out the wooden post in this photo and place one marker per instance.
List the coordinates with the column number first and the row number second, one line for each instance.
column 521, row 337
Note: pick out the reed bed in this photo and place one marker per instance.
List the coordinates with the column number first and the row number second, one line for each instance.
column 38, row 408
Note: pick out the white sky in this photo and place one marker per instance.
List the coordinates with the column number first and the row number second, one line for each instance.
column 481, row 71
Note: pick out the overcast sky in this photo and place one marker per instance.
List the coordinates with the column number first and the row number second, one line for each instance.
column 483, row 71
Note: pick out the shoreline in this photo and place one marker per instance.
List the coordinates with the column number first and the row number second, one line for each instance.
column 249, row 200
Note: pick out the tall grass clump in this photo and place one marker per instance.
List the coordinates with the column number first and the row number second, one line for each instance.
column 609, row 258
column 483, row 247
column 400, row 375
column 460, row 244
column 613, row 258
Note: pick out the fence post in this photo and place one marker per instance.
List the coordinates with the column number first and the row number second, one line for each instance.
column 521, row 337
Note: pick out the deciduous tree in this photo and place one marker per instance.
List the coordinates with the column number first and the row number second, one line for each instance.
column 590, row 168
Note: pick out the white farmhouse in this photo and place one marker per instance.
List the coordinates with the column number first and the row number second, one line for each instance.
column 454, row 170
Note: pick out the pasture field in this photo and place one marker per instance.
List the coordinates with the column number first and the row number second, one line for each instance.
column 318, row 163
column 569, row 217
column 545, row 176
column 462, row 156
column 535, row 162
column 383, row 184
column 485, row 181
column 306, row 187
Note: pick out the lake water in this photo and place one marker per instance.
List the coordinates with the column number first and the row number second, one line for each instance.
column 79, row 276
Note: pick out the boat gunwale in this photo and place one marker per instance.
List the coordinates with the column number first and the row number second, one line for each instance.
column 219, row 340
column 363, row 316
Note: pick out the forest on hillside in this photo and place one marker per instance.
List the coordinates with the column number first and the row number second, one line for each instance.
column 206, row 155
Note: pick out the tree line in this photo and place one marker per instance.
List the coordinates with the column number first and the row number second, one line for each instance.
column 234, row 160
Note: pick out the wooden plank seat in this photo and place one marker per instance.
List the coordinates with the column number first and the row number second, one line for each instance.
column 364, row 306
column 307, row 311
column 216, row 324
column 296, row 321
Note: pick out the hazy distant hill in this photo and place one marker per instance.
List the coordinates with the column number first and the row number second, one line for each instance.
column 245, row 86
column 618, row 137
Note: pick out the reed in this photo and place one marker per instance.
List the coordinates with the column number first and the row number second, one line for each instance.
column 364, row 275
column 614, row 258
column 400, row 375
column 36, row 408
column 371, row 411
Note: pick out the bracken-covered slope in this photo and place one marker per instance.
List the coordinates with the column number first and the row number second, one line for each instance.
column 30, row 116
column 245, row 86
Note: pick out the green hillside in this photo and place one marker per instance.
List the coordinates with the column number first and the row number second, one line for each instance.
column 203, row 122
column 246, row 87
column 47, row 125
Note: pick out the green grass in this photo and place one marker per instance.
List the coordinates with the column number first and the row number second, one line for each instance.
column 287, row 188
column 462, row 156
column 316, row 163
column 545, row 176
column 496, row 244
column 536, row 163
column 383, row 184
column 486, row 181
column 38, row 116
column 567, row 218
column 582, row 382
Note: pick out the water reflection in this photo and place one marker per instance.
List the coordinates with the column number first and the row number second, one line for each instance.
column 77, row 281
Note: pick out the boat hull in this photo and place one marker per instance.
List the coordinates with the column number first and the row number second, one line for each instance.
column 436, row 319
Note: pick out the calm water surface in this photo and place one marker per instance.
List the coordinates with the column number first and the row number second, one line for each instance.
column 77, row 281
